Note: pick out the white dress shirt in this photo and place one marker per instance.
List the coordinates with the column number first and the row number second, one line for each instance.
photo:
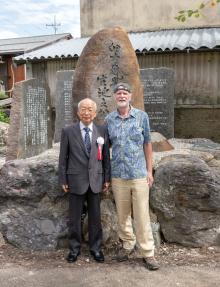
column 83, row 132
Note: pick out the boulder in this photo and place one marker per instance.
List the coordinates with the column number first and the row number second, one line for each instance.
column 3, row 140
column 160, row 143
column 109, row 222
column 186, row 198
column 33, row 208
column 2, row 161
column 107, row 58
column 3, row 134
column 215, row 164
column 2, row 241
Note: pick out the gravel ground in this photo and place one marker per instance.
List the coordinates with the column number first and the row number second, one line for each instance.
column 167, row 255
column 180, row 266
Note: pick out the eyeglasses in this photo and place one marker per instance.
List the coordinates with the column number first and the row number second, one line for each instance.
column 89, row 111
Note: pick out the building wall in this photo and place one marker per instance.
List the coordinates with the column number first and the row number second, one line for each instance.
column 3, row 74
column 14, row 74
column 196, row 75
column 19, row 73
column 142, row 15
column 203, row 122
column 47, row 70
column 10, row 74
column 197, row 88
column 197, row 91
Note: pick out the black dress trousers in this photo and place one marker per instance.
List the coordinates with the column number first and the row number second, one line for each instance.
column 76, row 203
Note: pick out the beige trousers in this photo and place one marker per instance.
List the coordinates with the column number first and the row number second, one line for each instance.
column 132, row 198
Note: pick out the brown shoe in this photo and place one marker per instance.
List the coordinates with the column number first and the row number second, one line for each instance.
column 123, row 254
column 150, row 263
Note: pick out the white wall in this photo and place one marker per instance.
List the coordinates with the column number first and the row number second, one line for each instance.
column 142, row 15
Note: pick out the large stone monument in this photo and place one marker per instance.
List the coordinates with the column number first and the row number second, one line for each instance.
column 108, row 58
column 158, row 86
column 64, row 101
column 30, row 122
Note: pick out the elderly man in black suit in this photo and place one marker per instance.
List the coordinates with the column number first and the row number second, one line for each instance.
column 84, row 171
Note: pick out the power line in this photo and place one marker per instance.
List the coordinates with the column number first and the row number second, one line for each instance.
column 54, row 25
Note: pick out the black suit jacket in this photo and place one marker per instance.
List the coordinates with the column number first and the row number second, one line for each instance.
column 76, row 167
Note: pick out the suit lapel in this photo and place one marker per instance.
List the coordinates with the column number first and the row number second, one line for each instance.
column 79, row 139
column 94, row 138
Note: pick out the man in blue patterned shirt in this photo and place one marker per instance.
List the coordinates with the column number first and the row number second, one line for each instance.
column 131, row 168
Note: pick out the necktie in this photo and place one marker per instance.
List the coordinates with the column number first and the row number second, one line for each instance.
column 87, row 140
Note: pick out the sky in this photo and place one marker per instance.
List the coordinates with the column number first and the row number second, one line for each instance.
column 25, row 18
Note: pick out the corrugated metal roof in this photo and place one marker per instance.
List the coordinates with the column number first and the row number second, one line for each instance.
column 176, row 39
column 64, row 49
column 20, row 45
column 141, row 42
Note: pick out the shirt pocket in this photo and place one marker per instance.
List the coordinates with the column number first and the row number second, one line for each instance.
column 136, row 135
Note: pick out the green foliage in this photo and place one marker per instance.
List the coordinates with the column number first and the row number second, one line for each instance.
column 190, row 13
column 4, row 117
column 3, row 95
column 185, row 14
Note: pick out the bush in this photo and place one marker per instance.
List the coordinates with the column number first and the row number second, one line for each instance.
column 4, row 117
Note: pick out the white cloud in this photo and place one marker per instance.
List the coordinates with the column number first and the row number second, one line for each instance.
column 29, row 17
column 8, row 34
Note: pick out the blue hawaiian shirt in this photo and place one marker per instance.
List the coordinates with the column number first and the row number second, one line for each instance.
column 127, row 136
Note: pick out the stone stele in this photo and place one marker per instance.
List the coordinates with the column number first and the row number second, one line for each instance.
column 30, row 130
column 63, row 102
column 159, row 99
column 108, row 58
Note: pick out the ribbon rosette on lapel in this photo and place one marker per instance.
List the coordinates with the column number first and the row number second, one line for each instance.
column 100, row 142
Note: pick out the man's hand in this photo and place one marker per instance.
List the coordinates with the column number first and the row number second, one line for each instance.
column 106, row 186
column 150, row 179
column 65, row 188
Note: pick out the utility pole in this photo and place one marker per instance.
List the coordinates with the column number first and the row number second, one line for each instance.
column 54, row 25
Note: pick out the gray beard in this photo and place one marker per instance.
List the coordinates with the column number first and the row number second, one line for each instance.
column 122, row 104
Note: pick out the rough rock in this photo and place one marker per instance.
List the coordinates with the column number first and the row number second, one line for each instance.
column 2, row 161
column 32, row 207
column 186, row 199
column 108, row 58
column 204, row 149
column 215, row 164
column 109, row 221
column 160, row 143
column 156, row 233
column 2, row 241
column 30, row 130
column 3, row 133
column 34, row 210
column 3, row 140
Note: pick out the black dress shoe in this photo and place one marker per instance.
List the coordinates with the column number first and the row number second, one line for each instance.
column 72, row 256
column 98, row 256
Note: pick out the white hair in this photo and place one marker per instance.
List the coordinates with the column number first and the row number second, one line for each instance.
column 88, row 99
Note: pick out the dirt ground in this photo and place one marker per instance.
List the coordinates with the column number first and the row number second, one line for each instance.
column 180, row 266
column 167, row 255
